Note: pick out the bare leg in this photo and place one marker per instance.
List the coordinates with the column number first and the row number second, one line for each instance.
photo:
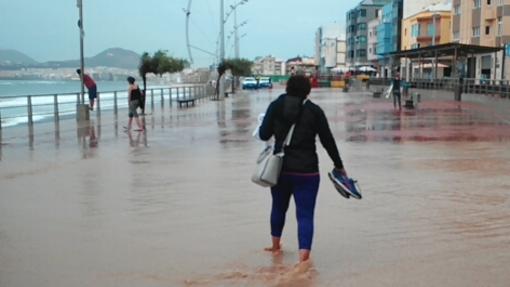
column 140, row 126
column 276, row 248
column 129, row 123
column 304, row 255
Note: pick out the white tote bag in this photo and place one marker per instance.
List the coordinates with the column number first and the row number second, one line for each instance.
column 269, row 165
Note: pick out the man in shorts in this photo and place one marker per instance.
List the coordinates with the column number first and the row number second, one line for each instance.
column 91, row 87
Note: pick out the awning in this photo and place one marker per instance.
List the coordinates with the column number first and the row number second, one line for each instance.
column 450, row 49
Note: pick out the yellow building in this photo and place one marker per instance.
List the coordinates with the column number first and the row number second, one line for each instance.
column 418, row 31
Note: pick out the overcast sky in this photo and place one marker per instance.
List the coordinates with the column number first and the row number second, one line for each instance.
column 47, row 29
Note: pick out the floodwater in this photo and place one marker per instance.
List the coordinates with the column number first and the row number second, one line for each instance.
column 175, row 207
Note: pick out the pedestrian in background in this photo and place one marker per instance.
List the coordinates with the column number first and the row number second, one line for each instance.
column 91, row 87
column 134, row 97
column 397, row 98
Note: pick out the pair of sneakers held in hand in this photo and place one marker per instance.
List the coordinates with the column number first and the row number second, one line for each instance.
column 346, row 186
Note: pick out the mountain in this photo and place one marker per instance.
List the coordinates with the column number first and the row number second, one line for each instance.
column 15, row 58
column 116, row 57
column 113, row 58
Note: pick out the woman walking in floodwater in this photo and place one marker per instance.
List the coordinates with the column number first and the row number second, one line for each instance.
column 300, row 171
column 134, row 97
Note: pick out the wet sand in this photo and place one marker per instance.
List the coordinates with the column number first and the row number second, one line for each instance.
column 175, row 207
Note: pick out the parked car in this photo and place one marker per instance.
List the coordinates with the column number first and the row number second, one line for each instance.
column 265, row 82
column 250, row 83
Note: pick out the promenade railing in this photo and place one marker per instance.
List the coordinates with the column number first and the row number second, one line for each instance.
column 467, row 85
column 29, row 109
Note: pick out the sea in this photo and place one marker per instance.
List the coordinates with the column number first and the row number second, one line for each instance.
column 14, row 98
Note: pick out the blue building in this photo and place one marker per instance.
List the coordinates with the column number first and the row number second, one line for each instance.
column 389, row 34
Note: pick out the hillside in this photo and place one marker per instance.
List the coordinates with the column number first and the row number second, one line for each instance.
column 15, row 58
column 114, row 58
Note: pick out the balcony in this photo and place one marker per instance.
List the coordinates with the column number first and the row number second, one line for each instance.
column 490, row 13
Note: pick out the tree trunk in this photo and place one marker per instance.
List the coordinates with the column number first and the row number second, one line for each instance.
column 218, row 86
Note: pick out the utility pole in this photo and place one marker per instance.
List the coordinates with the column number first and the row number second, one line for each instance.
column 222, row 31
column 236, row 31
column 82, row 112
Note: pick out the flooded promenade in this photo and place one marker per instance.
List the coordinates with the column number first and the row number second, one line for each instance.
column 175, row 207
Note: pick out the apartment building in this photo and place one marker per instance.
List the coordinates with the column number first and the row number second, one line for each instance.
column 268, row 66
column 432, row 26
column 330, row 49
column 484, row 23
column 357, row 31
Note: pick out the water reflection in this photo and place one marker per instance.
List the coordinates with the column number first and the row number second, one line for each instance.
column 86, row 135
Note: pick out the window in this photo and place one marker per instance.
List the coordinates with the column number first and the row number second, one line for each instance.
column 415, row 46
column 431, row 30
column 500, row 26
column 489, row 2
column 476, row 31
column 487, row 30
column 363, row 13
column 477, row 4
column 362, row 53
column 415, row 30
column 456, row 9
column 362, row 27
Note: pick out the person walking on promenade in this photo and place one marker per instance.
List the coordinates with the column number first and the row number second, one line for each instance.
column 134, row 97
column 397, row 98
column 91, row 87
column 300, row 172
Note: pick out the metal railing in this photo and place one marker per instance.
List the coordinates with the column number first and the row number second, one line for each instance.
column 30, row 109
column 467, row 85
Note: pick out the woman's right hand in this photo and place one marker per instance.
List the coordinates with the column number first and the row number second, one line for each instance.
column 341, row 171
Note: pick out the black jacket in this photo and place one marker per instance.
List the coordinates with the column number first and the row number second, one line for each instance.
column 300, row 155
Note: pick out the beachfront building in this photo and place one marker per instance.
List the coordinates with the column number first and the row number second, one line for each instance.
column 330, row 49
column 372, row 56
column 357, row 31
column 268, row 66
column 484, row 23
column 389, row 35
column 430, row 27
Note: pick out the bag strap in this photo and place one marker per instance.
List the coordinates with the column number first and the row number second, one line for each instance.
column 288, row 137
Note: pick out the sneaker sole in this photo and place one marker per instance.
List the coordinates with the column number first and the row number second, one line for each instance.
column 340, row 188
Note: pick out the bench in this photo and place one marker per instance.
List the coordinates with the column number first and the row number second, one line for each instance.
column 189, row 101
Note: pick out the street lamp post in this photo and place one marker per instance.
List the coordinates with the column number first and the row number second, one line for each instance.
column 222, row 31
column 82, row 109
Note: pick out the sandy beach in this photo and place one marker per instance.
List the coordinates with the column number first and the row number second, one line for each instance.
column 175, row 206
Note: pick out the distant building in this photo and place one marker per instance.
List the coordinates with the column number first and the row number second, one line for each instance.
column 357, row 31
column 300, row 65
column 268, row 66
column 485, row 23
column 330, row 47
